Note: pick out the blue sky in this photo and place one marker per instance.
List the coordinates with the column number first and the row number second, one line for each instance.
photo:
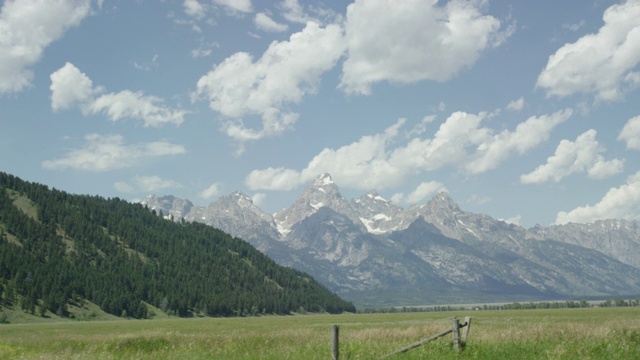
column 527, row 111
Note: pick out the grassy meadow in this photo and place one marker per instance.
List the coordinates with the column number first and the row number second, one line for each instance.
column 587, row 333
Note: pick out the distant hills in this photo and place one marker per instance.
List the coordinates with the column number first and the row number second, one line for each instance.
column 375, row 253
column 59, row 249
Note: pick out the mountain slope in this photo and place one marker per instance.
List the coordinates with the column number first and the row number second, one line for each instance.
column 57, row 248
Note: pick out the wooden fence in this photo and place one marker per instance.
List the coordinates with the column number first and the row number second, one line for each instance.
column 458, row 339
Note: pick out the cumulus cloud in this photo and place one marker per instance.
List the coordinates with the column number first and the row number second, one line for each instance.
column 109, row 152
column 286, row 72
column 135, row 105
column 265, row 23
column 294, row 12
column 490, row 149
column 373, row 161
column 516, row 105
column 148, row 184
column 204, row 49
column 258, row 199
column 347, row 165
column 70, row 87
column 410, row 41
column 194, row 8
column 600, row 63
column 211, row 191
column 630, row 133
column 27, row 27
column 243, row 6
column 424, row 190
column 575, row 26
column 582, row 155
column 618, row 203
column 515, row 220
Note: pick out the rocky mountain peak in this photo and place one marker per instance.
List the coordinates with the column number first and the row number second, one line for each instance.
column 322, row 180
column 442, row 202
column 242, row 199
column 321, row 192
column 322, row 186
column 240, row 204
column 169, row 205
column 379, row 215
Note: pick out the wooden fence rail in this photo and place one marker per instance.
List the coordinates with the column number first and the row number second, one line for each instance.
column 458, row 338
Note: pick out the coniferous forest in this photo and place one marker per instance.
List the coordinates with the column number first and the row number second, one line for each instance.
column 58, row 248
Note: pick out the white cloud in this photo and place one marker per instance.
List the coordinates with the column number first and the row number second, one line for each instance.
column 515, row 220
column 630, row 133
column 265, row 23
column 583, row 155
column 294, row 12
column 316, row 12
column 147, row 65
column 618, row 203
column 421, row 127
column 273, row 123
column 27, row 27
column 361, row 164
column 373, row 162
column 527, row 135
column 285, row 73
column 135, row 105
column 574, row 27
column 461, row 141
column 599, row 63
column 194, row 8
column 105, row 153
column 147, row 184
column 69, row 86
column 204, row 49
column 258, row 199
column 274, row 179
column 516, row 105
column 410, row 41
column 397, row 198
column 424, row 190
column 211, row 191
column 243, row 6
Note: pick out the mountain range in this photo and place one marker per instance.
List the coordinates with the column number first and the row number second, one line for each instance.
column 375, row 253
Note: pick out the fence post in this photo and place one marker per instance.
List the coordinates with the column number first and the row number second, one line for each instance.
column 335, row 345
column 456, row 334
column 465, row 330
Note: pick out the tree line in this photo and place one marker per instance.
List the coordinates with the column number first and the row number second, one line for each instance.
column 568, row 304
column 58, row 249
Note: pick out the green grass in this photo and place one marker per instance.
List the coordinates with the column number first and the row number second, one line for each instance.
column 593, row 333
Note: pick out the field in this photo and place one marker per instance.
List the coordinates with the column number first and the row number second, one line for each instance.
column 588, row 333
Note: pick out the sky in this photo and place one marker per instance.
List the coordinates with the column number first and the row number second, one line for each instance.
column 527, row 111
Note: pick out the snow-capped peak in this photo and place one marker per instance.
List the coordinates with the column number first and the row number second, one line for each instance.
column 323, row 179
column 373, row 195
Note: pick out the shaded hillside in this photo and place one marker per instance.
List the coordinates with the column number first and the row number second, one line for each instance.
column 58, row 248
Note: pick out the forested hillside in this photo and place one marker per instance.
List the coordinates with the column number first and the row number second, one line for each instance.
column 57, row 248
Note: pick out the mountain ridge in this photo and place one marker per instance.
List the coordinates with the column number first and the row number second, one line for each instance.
column 362, row 246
